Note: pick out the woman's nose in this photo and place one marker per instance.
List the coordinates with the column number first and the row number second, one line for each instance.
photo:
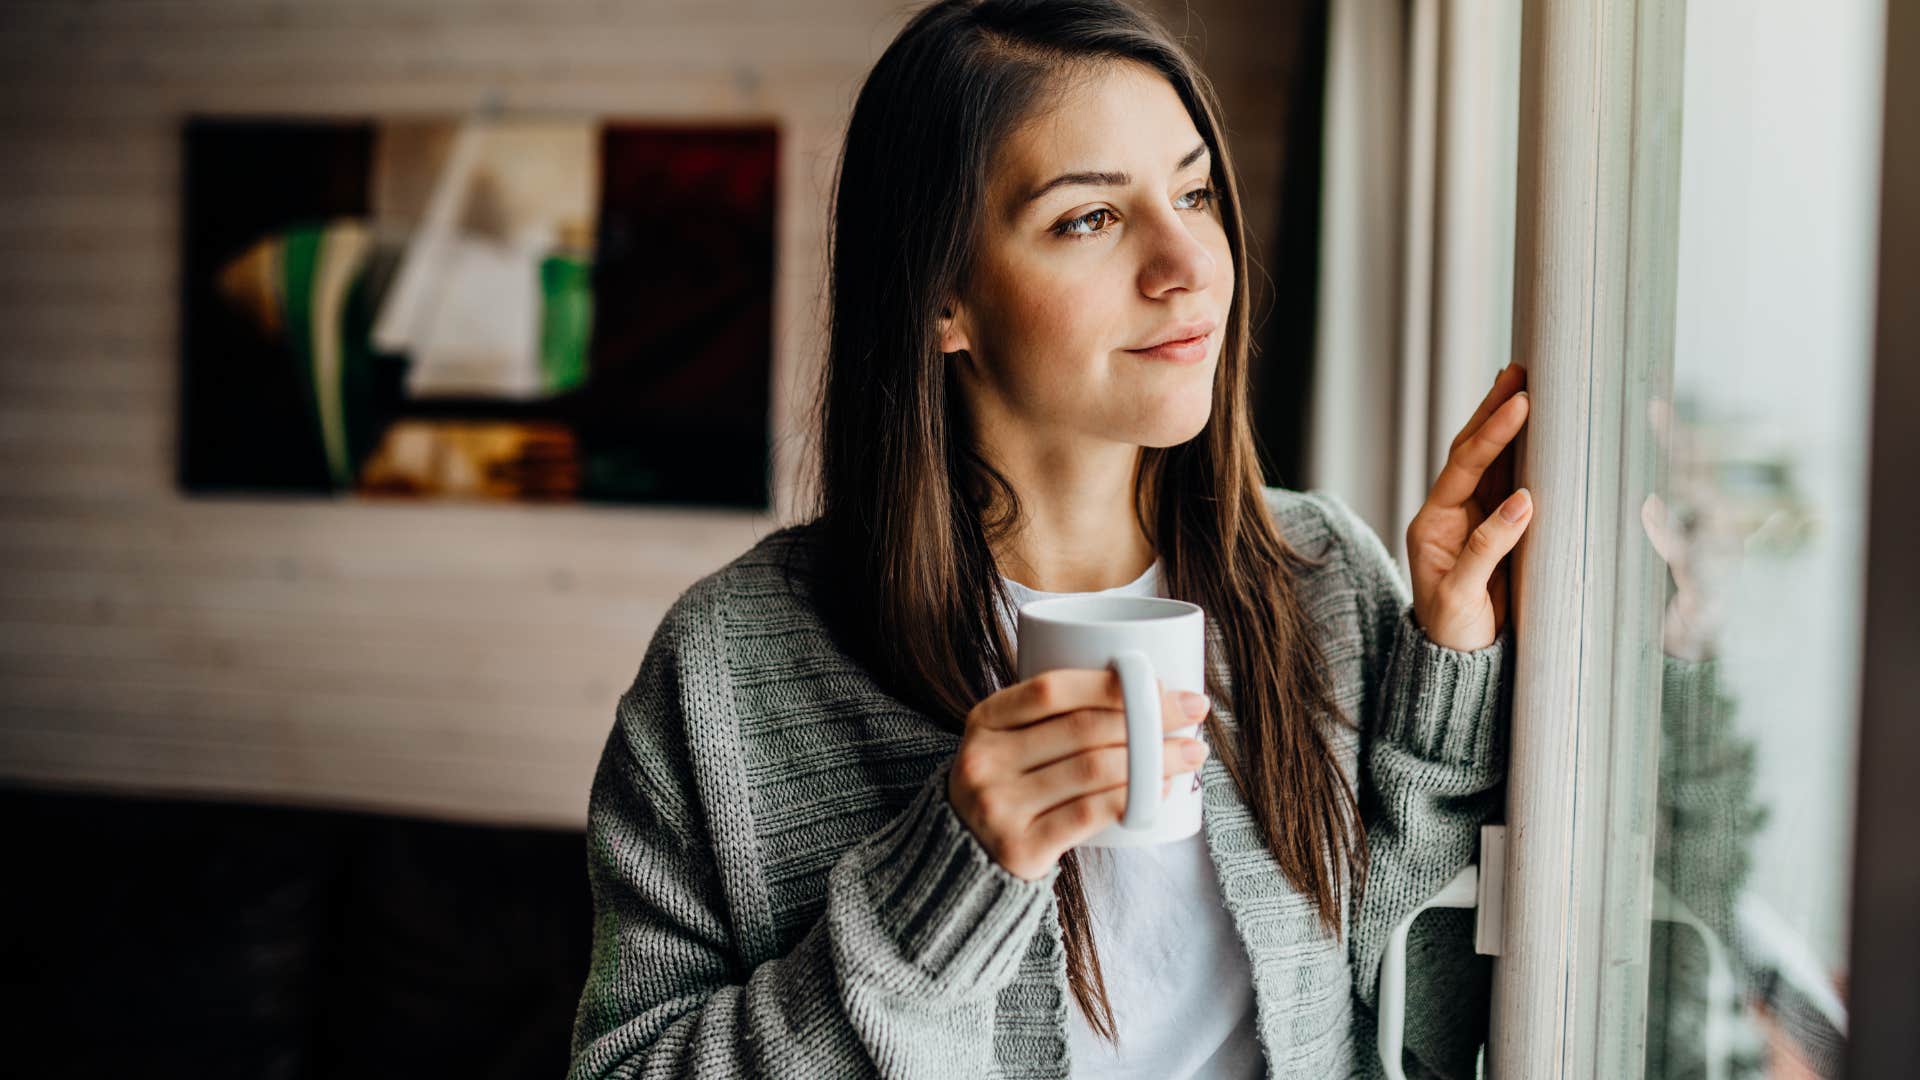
column 1176, row 260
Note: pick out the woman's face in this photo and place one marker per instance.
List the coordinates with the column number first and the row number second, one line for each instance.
column 1099, row 238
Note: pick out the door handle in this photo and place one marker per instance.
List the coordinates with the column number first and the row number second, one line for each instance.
column 1470, row 888
column 1717, row 1034
column 1479, row 886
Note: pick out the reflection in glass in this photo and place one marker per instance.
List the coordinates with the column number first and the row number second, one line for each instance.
column 1759, row 523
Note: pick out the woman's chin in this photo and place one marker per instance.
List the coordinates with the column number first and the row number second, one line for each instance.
column 1174, row 431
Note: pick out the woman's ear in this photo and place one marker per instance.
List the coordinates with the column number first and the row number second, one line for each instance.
column 954, row 335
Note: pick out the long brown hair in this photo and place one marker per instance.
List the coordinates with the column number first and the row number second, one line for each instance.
column 909, row 512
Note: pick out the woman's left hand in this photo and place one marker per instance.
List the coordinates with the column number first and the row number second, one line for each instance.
column 1457, row 543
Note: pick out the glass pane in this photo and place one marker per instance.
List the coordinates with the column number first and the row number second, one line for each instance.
column 1759, row 435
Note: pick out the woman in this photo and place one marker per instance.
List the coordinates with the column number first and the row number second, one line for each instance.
column 832, row 836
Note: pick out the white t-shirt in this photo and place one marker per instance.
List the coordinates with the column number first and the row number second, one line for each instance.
column 1175, row 970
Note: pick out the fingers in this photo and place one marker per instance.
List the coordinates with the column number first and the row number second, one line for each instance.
column 1653, row 518
column 1490, row 543
column 1100, row 770
column 1469, row 458
column 1066, row 823
column 1510, row 381
column 1050, row 694
column 1066, row 690
column 1068, row 766
column 1062, row 736
column 1666, row 539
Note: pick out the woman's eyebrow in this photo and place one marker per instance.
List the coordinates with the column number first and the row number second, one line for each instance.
column 1103, row 179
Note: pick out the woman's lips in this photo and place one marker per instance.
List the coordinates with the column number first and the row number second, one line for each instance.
column 1186, row 351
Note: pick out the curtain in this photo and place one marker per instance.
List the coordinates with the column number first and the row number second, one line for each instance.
column 1416, row 244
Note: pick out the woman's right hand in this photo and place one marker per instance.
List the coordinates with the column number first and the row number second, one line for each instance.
column 1043, row 764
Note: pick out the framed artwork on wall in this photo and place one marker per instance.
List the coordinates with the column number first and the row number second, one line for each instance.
column 549, row 309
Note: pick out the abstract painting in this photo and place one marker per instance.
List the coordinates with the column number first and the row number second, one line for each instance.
column 490, row 307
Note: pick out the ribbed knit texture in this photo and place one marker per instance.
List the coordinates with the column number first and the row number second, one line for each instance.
column 781, row 887
column 1706, row 818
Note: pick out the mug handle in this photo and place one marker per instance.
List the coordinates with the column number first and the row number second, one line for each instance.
column 1140, row 692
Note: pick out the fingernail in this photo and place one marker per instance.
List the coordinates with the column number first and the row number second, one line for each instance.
column 1193, row 704
column 1497, row 374
column 1515, row 507
column 1195, row 752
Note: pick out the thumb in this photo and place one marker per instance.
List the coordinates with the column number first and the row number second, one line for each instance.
column 1491, row 542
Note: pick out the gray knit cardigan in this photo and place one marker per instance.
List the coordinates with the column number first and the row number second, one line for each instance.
column 782, row 889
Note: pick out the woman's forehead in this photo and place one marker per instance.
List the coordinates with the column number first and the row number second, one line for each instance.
column 1121, row 118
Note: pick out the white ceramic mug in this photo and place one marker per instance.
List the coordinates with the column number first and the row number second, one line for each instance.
column 1141, row 638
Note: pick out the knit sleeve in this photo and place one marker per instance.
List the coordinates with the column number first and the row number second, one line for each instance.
column 1707, row 813
column 1433, row 754
column 1705, row 819
column 897, row 978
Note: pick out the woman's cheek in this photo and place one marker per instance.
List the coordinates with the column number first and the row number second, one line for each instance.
column 1063, row 320
column 1058, row 297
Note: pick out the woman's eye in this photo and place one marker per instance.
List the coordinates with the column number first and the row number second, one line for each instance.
column 1082, row 226
column 1206, row 196
column 1071, row 227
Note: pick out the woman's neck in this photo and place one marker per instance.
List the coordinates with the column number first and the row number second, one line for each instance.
column 1078, row 530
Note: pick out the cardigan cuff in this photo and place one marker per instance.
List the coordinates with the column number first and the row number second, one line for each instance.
column 1696, row 731
column 1445, row 704
column 950, row 909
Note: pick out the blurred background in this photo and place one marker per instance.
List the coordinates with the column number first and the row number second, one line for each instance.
column 375, row 374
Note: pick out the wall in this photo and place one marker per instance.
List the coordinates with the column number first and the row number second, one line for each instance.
column 457, row 662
